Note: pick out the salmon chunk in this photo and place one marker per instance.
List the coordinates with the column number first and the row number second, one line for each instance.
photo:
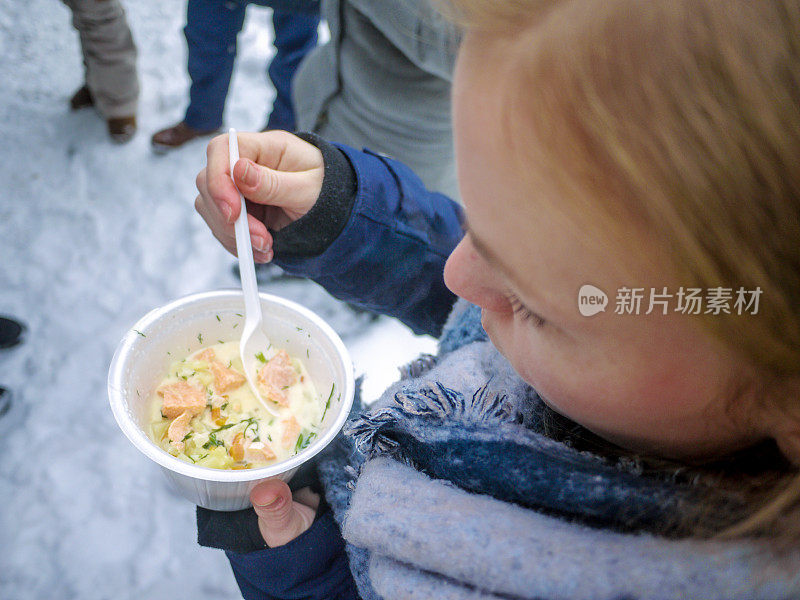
column 225, row 378
column 208, row 355
column 258, row 452
column 278, row 371
column 275, row 377
column 178, row 430
column 273, row 394
column 291, row 428
column 180, row 397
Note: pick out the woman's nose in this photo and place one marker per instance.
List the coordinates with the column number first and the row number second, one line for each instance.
column 471, row 277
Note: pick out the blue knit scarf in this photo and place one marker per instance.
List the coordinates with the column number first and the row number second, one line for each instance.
column 448, row 488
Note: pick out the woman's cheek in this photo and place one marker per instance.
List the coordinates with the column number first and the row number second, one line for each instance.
column 498, row 327
column 531, row 356
column 528, row 352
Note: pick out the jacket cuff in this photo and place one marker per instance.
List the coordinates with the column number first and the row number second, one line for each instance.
column 313, row 565
column 312, row 233
column 238, row 530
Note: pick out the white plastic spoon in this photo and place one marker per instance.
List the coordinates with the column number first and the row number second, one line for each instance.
column 254, row 340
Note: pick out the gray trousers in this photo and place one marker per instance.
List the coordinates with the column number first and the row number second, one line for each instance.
column 109, row 55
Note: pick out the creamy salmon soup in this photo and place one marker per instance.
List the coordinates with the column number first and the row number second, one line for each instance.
column 204, row 412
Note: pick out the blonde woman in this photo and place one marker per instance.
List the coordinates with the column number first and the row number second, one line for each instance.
column 631, row 427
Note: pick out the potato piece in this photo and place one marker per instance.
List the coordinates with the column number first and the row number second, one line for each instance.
column 291, row 428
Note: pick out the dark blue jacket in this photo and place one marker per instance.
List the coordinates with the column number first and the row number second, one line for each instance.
column 388, row 257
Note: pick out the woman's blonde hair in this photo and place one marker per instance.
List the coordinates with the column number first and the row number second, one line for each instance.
column 687, row 114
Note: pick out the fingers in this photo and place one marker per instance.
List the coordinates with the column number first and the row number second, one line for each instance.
column 281, row 170
column 224, row 231
column 294, row 192
column 280, row 518
column 307, row 497
column 279, row 150
column 278, row 173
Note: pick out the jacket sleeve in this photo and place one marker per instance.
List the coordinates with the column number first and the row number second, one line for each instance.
column 389, row 255
column 313, row 566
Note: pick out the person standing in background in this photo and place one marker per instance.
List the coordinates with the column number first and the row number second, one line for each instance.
column 212, row 27
column 383, row 82
column 111, row 84
column 12, row 333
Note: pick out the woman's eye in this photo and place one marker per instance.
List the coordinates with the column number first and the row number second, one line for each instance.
column 524, row 312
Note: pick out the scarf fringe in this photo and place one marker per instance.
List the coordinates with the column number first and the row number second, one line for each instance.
column 432, row 401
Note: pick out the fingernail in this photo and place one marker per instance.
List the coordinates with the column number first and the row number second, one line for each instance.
column 250, row 176
column 226, row 210
column 272, row 504
column 261, row 244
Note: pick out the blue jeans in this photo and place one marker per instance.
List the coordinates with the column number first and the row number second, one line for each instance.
column 212, row 27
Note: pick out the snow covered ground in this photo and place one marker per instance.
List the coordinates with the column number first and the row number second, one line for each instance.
column 92, row 236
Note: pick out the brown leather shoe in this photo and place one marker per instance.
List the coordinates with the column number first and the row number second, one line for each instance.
column 122, row 129
column 81, row 99
column 176, row 136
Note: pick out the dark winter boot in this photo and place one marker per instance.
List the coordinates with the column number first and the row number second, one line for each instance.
column 11, row 332
column 81, row 99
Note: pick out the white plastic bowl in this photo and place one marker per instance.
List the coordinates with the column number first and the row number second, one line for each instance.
column 173, row 331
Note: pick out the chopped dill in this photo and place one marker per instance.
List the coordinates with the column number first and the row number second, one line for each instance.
column 218, row 319
column 260, row 356
column 251, row 423
column 302, row 443
column 213, row 441
column 226, row 426
column 140, row 333
column 200, row 337
column 327, row 404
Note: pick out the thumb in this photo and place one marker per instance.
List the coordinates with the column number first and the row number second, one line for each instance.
column 280, row 519
column 294, row 191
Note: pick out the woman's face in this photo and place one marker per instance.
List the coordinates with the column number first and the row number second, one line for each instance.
column 651, row 383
